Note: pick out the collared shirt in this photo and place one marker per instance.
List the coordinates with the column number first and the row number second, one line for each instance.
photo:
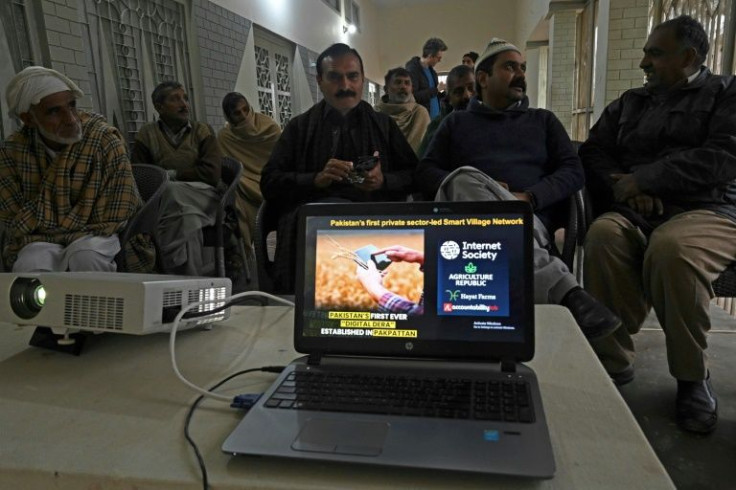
column 175, row 138
column 434, row 101
column 694, row 75
column 343, row 147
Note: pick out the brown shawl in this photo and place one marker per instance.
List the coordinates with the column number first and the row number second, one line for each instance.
column 412, row 119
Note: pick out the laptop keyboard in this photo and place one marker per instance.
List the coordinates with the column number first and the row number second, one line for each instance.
column 457, row 398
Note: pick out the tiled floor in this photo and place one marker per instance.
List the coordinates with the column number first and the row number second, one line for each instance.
column 693, row 462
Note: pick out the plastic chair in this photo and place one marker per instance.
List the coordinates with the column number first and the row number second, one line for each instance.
column 266, row 222
column 150, row 181
column 226, row 221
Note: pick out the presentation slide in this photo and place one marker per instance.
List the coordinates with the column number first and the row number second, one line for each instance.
column 412, row 278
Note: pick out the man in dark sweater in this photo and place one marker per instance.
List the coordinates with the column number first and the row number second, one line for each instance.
column 661, row 163
column 317, row 157
column 460, row 88
column 499, row 149
column 424, row 80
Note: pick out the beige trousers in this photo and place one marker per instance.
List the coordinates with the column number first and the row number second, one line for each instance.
column 672, row 271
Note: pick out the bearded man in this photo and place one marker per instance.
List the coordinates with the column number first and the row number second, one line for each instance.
column 66, row 185
column 248, row 137
column 499, row 149
column 399, row 104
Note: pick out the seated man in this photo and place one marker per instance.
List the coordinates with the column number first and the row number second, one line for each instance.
column 499, row 149
column 398, row 102
column 661, row 163
column 66, row 186
column 189, row 151
column 317, row 156
column 248, row 137
column 460, row 88
column 470, row 58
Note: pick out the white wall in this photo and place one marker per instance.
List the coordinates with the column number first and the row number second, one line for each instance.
column 464, row 25
column 528, row 14
column 313, row 24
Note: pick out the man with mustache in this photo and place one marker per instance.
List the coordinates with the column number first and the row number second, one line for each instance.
column 66, row 186
column 460, row 88
column 248, row 137
column 500, row 149
column 190, row 153
column 661, row 168
column 326, row 154
column 399, row 104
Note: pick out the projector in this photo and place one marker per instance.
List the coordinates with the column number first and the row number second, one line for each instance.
column 119, row 302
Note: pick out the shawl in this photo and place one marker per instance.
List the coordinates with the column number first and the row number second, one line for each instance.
column 87, row 189
column 412, row 119
column 251, row 143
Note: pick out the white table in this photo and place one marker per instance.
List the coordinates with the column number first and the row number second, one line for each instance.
column 113, row 417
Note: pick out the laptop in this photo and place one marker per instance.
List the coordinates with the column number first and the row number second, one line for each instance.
column 429, row 301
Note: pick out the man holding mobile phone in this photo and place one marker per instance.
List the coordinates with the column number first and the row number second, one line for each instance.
column 319, row 154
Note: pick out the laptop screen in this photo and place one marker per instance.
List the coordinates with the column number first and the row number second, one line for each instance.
column 421, row 279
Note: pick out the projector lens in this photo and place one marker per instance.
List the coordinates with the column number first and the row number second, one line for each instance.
column 39, row 295
column 27, row 297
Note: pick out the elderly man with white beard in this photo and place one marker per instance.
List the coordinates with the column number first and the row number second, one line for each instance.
column 66, row 185
column 399, row 104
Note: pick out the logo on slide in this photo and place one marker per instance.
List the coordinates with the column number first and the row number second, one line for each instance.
column 449, row 250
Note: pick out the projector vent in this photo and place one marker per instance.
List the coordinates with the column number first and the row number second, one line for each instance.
column 100, row 312
column 173, row 298
column 205, row 294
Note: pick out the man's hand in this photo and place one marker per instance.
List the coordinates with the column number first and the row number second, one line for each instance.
column 371, row 279
column 522, row 196
column 400, row 253
column 373, row 179
column 625, row 187
column 646, row 205
column 335, row 171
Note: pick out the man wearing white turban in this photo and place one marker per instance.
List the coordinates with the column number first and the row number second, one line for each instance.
column 66, row 185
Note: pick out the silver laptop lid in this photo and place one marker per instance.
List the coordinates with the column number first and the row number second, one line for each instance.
column 423, row 279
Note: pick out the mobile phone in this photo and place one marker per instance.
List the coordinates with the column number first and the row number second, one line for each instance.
column 365, row 164
column 369, row 253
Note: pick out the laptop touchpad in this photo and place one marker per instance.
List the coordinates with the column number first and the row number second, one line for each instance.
column 341, row 437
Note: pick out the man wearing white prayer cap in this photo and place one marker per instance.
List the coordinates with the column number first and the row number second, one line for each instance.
column 500, row 149
column 66, row 185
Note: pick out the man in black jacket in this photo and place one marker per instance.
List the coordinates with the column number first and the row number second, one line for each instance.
column 320, row 153
column 661, row 167
column 424, row 80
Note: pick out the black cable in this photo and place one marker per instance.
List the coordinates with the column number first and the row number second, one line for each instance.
column 200, row 459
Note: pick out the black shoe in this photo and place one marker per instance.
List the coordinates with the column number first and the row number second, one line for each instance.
column 697, row 407
column 595, row 320
column 623, row 377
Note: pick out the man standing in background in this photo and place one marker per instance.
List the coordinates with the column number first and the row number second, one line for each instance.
column 424, row 79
